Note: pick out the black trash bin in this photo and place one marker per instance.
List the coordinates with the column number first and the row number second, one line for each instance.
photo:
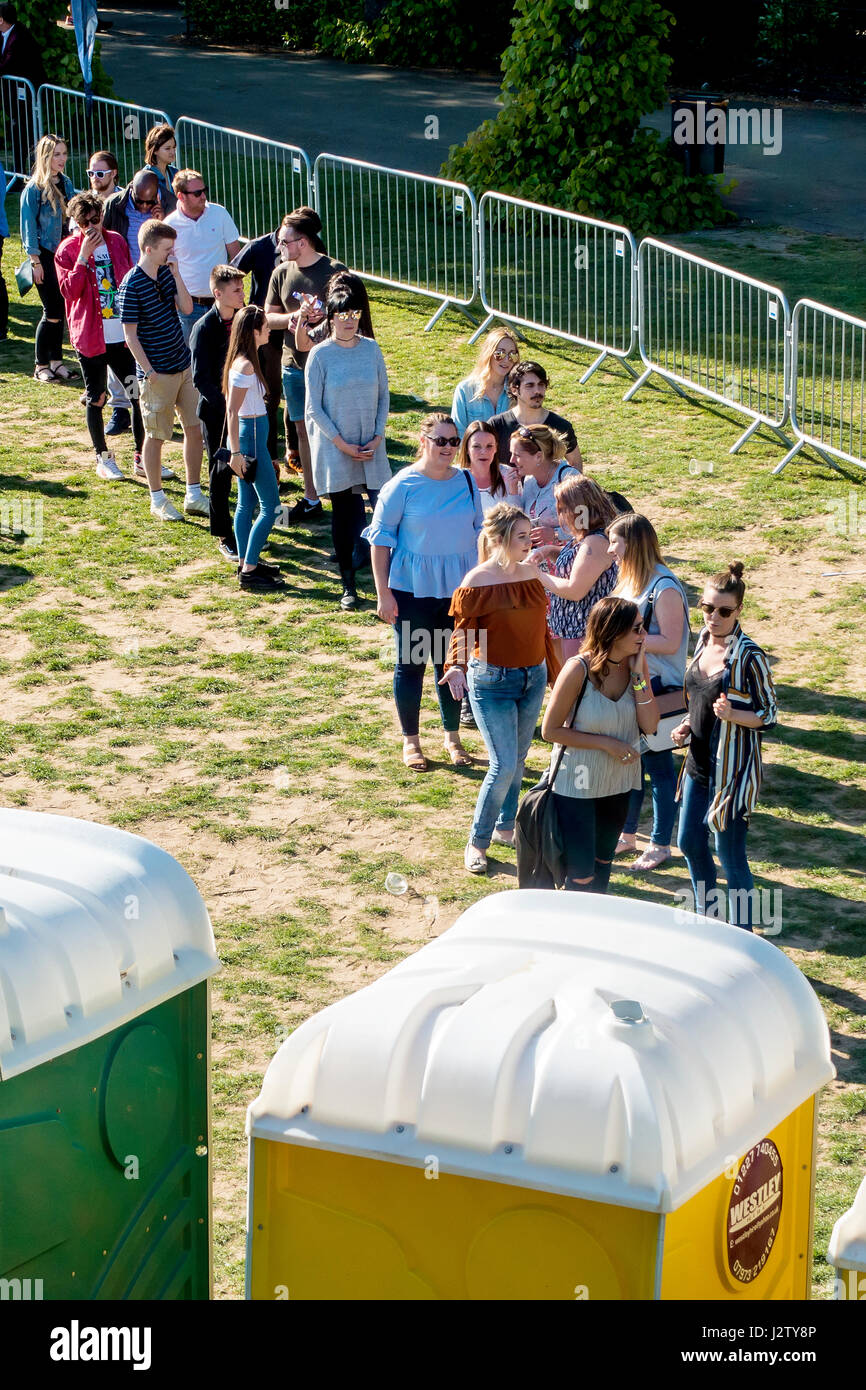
column 699, row 132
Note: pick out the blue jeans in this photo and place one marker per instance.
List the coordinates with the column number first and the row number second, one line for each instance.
column 189, row 321
column 659, row 767
column 249, row 537
column 694, row 842
column 506, row 701
column 293, row 391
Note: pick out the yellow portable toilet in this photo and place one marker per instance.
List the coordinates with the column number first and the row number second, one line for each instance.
column 564, row 1096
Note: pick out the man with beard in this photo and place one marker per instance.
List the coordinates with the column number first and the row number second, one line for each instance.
column 527, row 386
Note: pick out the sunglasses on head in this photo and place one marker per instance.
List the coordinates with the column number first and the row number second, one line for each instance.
column 526, row 434
column 501, row 356
column 443, row 441
column 710, row 608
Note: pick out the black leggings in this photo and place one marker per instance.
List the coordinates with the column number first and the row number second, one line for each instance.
column 4, row 298
column 347, row 522
column 591, row 827
column 118, row 357
column 423, row 633
column 49, row 336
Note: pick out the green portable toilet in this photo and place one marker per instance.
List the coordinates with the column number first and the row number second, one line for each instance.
column 106, row 949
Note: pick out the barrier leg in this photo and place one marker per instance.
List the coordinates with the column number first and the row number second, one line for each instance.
column 599, row 362
column 632, row 390
column 437, row 316
column 745, row 436
column 481, row 328
column 801, row 444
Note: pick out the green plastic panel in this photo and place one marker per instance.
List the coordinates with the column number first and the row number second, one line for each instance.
column 103, row 1194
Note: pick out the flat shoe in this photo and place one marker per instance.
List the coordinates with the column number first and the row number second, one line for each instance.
column 623, row 847
column 474, row 860
column 414, row 759
column 651, row 858
column 459, row 757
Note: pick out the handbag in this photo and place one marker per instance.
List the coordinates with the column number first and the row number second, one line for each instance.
column 537, row 832
column 671, row 701
column 24, row 277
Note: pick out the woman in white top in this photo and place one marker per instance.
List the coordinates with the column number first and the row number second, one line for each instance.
column 478, row 453
column 482, row 394
column 247, row 428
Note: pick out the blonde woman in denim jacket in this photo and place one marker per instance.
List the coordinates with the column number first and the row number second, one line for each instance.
column 43, row 227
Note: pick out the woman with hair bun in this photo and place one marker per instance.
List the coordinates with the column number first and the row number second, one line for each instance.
column 502, row 651
column 482, row 394
column 732, row 701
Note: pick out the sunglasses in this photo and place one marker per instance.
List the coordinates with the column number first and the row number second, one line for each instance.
column 197, row 192
column 93, row 221
column 709, row 608
column 526, row 433
column 145, row 202
column 99, row 173
column 500, row 356
column 443, row 441
column 346, row 314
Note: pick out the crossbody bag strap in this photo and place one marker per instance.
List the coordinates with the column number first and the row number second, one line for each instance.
column 555, row 770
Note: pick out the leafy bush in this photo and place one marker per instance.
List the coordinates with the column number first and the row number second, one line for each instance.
column 59, row 54
column 576, row 83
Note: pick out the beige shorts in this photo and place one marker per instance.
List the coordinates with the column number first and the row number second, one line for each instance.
column 161, row 396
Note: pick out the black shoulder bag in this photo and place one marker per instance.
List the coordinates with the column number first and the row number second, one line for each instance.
column 537, row 832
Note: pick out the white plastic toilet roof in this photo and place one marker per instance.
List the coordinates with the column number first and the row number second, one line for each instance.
column 608, row 1047
column 96, row 927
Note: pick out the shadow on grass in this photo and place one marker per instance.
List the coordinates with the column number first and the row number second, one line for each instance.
column 16, row 482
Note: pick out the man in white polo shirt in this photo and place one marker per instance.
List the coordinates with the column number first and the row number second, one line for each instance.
column 206, row 236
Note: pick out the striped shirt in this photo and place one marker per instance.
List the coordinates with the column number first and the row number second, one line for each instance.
column 735, row 750
column 149, row 304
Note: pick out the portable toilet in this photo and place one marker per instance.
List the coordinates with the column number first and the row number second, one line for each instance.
column 564, row 1096
column 847, row 1250
column 105, row 952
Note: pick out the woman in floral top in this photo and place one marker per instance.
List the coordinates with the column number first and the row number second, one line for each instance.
column 585, row 571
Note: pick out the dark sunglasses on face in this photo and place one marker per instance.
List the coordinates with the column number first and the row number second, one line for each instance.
column 710, row 608
column 93, row 221
column 145, row 202
column 197, row 192
column 443, row 441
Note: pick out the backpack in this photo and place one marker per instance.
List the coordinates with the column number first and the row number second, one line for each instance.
column 537, row 832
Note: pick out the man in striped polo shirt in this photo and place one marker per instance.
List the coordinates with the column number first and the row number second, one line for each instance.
column 150, row 296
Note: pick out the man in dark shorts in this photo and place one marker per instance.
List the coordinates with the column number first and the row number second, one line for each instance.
column 527, row 386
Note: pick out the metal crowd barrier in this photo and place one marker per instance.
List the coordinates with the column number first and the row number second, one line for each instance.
column 19, row 127
column 407, row 230
column 719, row 333
column 119, row 126
column 571, row 276
column 828, row 383
column 258, row 180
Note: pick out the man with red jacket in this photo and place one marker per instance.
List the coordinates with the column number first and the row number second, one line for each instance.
column 90, row 266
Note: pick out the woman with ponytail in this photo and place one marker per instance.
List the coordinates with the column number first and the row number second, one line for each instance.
column 501, row 650
column 731, row 700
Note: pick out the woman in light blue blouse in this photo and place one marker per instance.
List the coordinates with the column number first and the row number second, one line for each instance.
column 423, row 539
column 483, row 395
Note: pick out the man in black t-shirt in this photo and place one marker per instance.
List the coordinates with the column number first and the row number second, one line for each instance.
column 527, row 386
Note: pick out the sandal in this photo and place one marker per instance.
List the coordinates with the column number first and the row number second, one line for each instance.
column 414, row 759
column 45, row 374
column 62, row 373
column 652, row 857
column 459, row 757
column 626, row 844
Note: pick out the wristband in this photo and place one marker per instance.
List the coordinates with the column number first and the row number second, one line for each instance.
column 638, row 685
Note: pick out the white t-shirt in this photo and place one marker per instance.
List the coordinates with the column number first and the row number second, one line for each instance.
column 201, row 244
column 254, row 401
column 107, row 283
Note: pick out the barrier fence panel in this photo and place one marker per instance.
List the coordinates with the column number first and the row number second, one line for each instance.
column 721, row 334
column 567, row 275
column 119, row 126
column 407, row 230
column 828, row 383
column 19, row 128
column 258, row 180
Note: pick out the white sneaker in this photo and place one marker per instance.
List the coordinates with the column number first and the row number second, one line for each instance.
column 107, row 468
column 196, row 506
column 503, row 837
column 165, row 512
column 167, row 475
column 474, row 860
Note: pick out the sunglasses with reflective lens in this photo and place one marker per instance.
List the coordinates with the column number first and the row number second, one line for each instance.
column 444, row 441
column 500, row 356
column 710, row 608
column 346, row 314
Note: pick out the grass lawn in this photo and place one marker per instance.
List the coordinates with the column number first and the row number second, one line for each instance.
column 254, row 737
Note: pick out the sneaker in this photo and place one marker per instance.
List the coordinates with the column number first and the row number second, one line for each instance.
column 166, row 512
column 259, row 581
column 107, row 468
column 120, row 421
column 349, row 601
column 467, row 718
column 138, row 470
column 228, row 552
column 474, row 860
column 196, row 506
column 503, row 837
column 263, row 567
column 306, row 511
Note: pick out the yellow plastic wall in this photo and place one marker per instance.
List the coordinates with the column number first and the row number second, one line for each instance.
column 335, row 1226
column 695, row 1258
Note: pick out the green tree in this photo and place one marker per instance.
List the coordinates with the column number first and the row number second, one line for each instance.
column 578, row 76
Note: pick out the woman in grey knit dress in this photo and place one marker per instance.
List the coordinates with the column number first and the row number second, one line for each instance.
column 346, row 413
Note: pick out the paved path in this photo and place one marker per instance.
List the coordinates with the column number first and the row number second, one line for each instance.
column 817, row 183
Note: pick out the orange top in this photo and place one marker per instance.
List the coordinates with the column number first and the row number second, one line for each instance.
column 503, row 625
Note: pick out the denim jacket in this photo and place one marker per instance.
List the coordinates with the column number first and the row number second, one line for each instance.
column 41, row 226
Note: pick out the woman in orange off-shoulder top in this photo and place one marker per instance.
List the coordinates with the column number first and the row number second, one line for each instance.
column 501, row 647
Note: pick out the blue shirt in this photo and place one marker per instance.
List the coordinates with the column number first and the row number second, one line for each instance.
column 466, row 408
column 431, row 527
column 149, row 304
column 136, row 222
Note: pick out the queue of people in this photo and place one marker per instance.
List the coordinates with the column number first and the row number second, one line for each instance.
column 494, row 557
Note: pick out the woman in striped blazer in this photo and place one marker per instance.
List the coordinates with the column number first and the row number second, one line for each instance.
column 731, row 702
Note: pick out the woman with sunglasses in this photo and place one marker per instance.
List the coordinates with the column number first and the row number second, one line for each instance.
column 346, row 412
column 662, row 600
column 160, row 152
column 732, row 701
column 423, row 540
column 537, row 454
column 43, row 226
column 600, row 705
column 482, row 394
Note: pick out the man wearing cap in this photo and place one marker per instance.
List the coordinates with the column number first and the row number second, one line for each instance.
column 206, row 237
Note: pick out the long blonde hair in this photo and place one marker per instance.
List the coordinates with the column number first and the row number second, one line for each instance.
column 42, row 176
column 496, row 533
column 483, row 369
column 642, row 553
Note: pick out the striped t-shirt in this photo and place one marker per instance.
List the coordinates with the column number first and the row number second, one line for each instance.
column 149, row 304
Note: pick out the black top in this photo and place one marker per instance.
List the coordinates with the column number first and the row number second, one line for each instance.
column 208, row 344
column 702, row 691
column 505, row 424
column 258, row 259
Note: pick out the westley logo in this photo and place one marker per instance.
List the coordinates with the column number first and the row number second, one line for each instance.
column 76, row 1343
